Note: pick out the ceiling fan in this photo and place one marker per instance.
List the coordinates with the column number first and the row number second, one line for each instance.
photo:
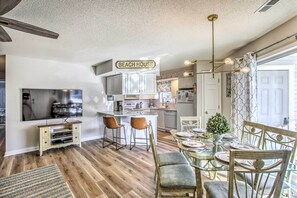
column 6, row 6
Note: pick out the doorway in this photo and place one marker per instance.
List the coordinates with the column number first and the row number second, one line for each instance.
column 277, row 86
column 273, row 97
column 211, row 96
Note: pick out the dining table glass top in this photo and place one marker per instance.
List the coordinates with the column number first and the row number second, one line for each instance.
column 207, row 155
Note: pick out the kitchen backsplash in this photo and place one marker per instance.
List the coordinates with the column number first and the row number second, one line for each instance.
column 133, row 103
column 158, row 104
column 146, row 104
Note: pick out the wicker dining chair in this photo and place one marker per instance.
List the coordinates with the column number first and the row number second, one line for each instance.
column 169, row 158
column 188, row 123
column 175, row 180
column 252, row 133
column 276, row 138
column 252, row 163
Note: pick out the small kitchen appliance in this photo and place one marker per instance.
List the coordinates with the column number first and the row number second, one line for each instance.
column 119, row 105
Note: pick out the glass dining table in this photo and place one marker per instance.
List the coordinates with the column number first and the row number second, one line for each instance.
column 205, row 158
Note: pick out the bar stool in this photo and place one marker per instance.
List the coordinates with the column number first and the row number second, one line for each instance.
column 111, row 123
column 139, row 123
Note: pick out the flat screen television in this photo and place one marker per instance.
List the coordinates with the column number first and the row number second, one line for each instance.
column 41, row 104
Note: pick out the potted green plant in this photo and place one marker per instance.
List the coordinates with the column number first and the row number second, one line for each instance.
column 217, row 125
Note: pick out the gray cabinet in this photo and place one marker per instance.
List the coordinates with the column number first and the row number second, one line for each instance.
column 114, row 85
column 160, row 120
column 170, row 119
column 186, row 82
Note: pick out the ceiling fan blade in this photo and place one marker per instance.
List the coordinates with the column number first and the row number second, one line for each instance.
column 25, row 27
column 4, row 37
column 7, row 5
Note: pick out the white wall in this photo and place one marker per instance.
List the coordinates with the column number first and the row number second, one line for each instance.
column 49, row 74
column 282, row 31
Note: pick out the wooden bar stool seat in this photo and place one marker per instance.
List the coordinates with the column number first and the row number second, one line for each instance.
column 138, row 124
column 111, row 123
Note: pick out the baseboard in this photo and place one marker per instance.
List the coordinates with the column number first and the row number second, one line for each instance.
column 90, row 138
column 20, row 151
column 36, row 148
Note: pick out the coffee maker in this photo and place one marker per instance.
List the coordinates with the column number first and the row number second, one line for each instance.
column 119, row 105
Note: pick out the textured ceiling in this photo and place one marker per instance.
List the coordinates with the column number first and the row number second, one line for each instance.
column 92, row 31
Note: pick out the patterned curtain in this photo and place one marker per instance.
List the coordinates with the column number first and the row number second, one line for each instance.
column 244, row 93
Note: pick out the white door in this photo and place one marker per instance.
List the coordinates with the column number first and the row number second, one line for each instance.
column 273, row 97
column 211, row 93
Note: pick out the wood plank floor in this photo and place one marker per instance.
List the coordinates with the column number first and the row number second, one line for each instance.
column 92, row 171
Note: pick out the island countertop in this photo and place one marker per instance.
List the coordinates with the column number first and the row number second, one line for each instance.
column 127, row 113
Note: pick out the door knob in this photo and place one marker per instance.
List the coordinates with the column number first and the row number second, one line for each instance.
column 206, row 112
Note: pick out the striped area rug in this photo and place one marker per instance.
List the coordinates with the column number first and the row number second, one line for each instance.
column 40, row 182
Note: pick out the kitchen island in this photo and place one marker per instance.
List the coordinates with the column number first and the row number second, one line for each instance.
column 124, row 117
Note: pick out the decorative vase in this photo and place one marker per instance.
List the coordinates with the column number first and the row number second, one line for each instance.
column 217, row 138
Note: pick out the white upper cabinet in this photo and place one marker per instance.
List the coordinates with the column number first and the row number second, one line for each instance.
column 134, row 84
column 131, row 83
column 148, row 83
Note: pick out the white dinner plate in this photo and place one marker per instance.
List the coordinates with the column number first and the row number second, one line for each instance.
column 199, row 130
column 184, row 134
column 229, row 136
column 241, row 146
column 222, row 156
column 193, row 144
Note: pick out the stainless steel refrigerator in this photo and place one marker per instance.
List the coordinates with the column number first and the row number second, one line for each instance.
column 184, row 104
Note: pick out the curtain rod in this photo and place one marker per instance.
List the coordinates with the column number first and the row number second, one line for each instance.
column 277, row 42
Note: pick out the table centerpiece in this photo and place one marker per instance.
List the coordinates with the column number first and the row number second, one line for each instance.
column 217, row 125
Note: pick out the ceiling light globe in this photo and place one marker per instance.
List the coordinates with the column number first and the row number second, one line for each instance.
column 188, row 62
column 186, row 74
column 245, row 70
column 228, row 61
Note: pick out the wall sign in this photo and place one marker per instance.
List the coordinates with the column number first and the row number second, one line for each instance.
column 136, row 64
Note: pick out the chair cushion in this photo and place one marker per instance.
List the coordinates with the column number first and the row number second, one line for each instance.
column 171, row 159
column 219, row 189
column 177, row 177
column 269, row 183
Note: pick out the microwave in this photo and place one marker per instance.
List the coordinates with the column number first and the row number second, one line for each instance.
column 185, row 96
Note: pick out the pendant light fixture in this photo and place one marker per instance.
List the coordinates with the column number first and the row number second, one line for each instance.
column 212, row 18
column 228, row 61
